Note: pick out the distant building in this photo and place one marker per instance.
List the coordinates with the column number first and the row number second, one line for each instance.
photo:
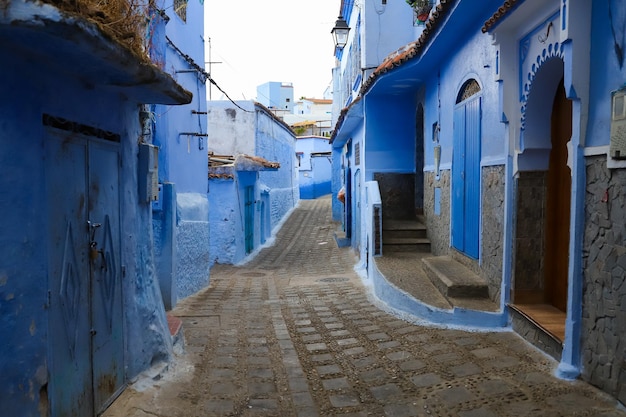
column 276, row 96
column 311, row 117
column 314, row 166
column 253, row 182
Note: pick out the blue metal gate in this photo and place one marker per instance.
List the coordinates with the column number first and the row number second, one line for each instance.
column 86, row 346
column 466, row 177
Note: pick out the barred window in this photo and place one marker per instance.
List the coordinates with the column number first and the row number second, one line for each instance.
column 180, row 7
column 470, row 88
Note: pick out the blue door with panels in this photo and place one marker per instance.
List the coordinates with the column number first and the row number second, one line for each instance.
column 466, row 172
column 86, row 344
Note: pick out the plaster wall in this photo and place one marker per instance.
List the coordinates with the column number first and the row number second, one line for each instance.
column 475, row 59
column 275, row 142
column 24, row 229
column 231, row 130
column 192, row 243
column 386, row 27
column 314, row 172
column 226, row 221
column 183, row 161
column 609, row 73
column 390, row 133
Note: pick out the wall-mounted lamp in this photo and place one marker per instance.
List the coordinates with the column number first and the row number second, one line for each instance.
column 340, row 32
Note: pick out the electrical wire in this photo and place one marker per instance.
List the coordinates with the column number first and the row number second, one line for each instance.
column 203, row 75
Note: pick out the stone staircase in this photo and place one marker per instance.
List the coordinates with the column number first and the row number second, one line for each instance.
column 453, row 279
column 454, row 284
column 405, row 236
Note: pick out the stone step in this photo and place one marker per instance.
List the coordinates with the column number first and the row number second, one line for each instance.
column 454, row 279
column 405, row 244
column 403, row 229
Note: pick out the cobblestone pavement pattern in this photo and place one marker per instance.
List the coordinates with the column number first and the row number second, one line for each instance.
column 293, row 333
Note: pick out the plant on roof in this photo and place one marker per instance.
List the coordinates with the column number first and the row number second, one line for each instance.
column 123, row 20
column 421, row 8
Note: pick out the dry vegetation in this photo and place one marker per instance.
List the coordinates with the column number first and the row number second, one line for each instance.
column 123, row 20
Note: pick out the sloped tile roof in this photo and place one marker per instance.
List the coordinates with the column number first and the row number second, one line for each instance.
column 499, row 14
column 401, row 56
column 411, row 50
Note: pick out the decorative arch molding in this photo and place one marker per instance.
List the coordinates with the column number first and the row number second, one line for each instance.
column 540, row 45
column 550, row 52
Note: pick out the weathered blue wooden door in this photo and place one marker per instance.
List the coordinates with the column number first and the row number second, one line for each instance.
column 249, row 219
column 466, row 177
column 86, row 347
column 105, row 265
column 70, row 374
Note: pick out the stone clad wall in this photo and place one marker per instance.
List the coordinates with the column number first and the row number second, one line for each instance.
column 492, row 228
column 438, row 226
column 529, row 232
column 604, row 271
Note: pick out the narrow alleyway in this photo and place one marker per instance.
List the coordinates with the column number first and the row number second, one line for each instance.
column 293, row 333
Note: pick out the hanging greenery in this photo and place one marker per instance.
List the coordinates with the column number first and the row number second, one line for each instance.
column 421, row 8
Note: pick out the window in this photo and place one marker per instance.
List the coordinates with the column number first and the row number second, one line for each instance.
column 180, row 7
column 470, row 88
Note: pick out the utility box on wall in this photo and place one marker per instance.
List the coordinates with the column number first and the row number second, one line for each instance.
column 148, row 173
column 617, row 149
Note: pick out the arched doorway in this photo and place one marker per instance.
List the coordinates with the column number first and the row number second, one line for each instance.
column 543, row 205
column 466, row 169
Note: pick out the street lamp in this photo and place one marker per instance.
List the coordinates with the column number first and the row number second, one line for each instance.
column 340, row 32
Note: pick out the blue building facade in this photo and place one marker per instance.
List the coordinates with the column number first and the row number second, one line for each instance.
column 254, row 187
column 181, row 216
column 81, row 309
column 509, row 137
column 276, row 96
column 314, row 166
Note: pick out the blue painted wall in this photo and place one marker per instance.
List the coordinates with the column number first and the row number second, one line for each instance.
column 608, row 73
column 390, row 143
column 227, row 245
column 183, row 162
column 27, row 93
column 314, row 172
column 275, row 142
column 476, row 59
column 252, row 130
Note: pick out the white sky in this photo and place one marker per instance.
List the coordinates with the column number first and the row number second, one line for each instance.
column 272, row 40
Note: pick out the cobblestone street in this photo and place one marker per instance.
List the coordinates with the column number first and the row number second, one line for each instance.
column 295, row 333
